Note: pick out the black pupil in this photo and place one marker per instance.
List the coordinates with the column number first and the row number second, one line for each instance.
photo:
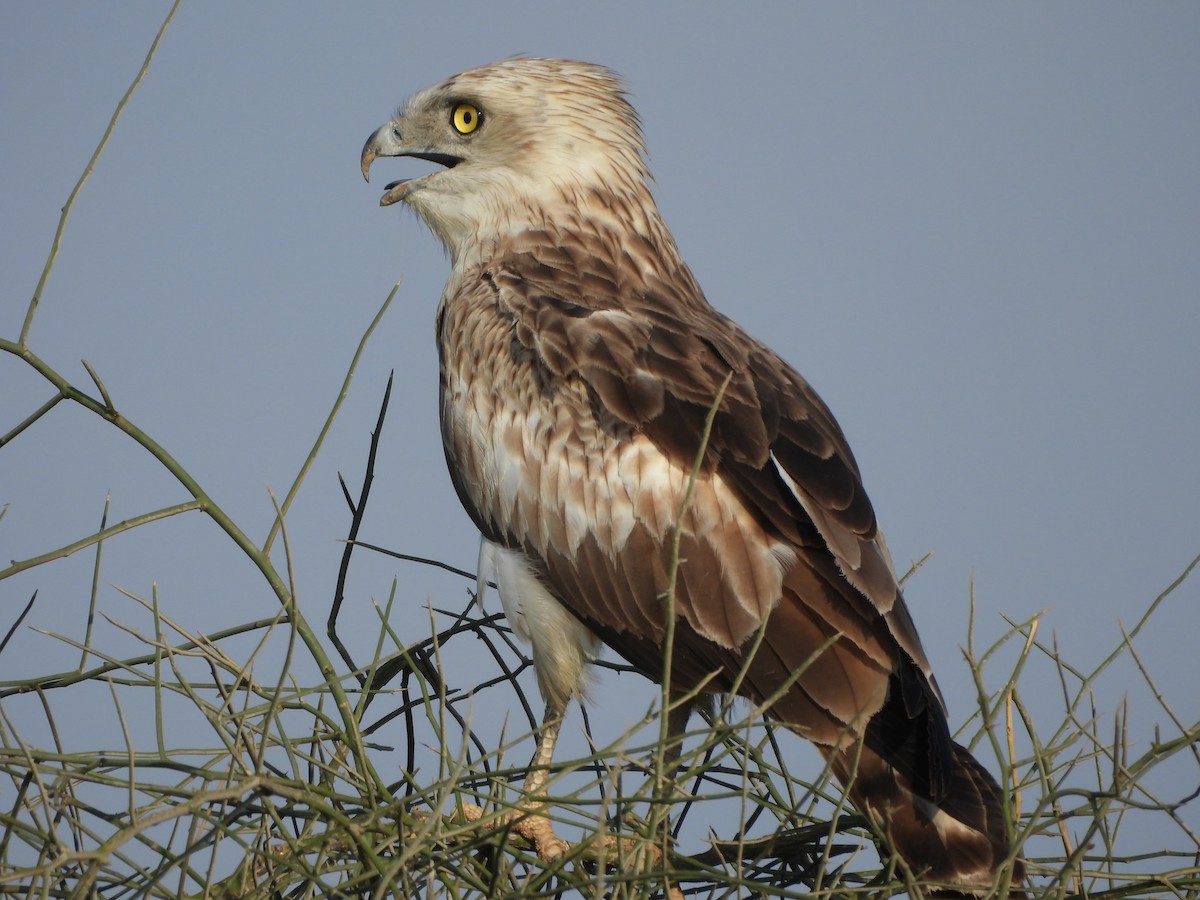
column 467, row 116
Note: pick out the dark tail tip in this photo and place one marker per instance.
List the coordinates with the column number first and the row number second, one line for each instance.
column 962, row 839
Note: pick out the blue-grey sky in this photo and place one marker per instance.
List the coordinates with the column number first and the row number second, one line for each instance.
column 974, row 228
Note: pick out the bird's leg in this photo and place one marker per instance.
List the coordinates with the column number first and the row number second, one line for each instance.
column 539, row 767
column 528, row 820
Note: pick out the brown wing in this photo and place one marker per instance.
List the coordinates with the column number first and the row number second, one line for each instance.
column 602, row 378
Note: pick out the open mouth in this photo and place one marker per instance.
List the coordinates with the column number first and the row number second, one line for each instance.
column 395, row 191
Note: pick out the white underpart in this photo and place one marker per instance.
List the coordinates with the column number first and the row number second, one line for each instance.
column 562, row 645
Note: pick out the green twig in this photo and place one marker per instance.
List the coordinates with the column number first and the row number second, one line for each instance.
column 87, row 172
column 100, row 536
column 337, row 405
column 31, row 418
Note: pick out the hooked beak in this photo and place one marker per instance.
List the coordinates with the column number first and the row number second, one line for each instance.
column 389, row 141
column 384, row 142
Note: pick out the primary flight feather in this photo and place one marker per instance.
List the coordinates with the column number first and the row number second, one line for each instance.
column 579, row 361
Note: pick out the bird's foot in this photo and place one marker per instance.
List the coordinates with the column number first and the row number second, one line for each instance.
column 532, row 825
column 528, row 819
column 527, row 822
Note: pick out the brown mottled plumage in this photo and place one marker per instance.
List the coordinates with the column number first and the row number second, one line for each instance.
column 579, row 360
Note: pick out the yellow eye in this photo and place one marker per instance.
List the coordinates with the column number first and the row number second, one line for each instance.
column 465, row 118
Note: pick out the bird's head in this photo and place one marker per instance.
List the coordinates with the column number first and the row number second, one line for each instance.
column 513, row 138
